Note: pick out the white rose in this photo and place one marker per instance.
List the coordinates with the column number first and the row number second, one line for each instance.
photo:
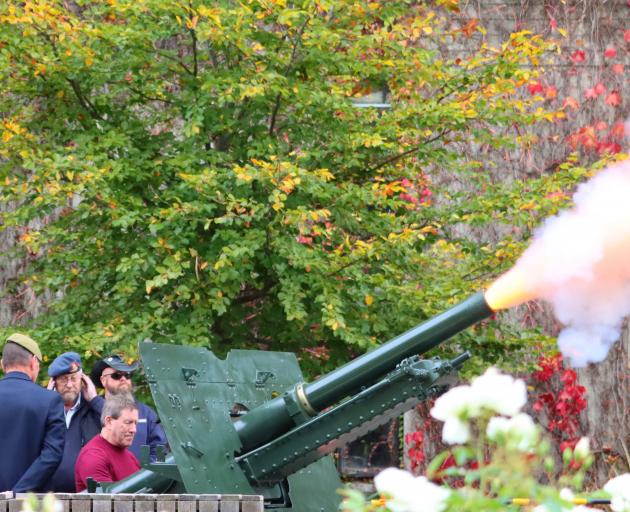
column 498, row 392
column 406, row 493
column 454, row 409
column 518, row 433
column 582, row 449
column 619, row 490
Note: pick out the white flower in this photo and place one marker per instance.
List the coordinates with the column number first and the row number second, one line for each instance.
column 406, row 493
column 492, row 391
column 582, row 449
column 619, row 490
column 498, row 392
column 518, row 433
column 454, row 408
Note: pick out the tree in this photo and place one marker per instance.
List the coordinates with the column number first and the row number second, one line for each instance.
column 199, row 174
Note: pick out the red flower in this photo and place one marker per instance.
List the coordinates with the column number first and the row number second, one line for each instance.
column 570, row 102
column 618, row 130
column 535, row 87
column 610, row 52
column 614, row 99
column 590, row 94
column 551, row 93
column 578, row 56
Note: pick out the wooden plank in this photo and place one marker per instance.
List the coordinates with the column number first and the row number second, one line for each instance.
column 252, row 504
column 145, row 502
column 230, row 503
column 80, row 503
column 208, row 502
column 166, row 503
column 64, row 498
column 123, row 502
column 187, row 503
column 101, row 502
column 15, row 505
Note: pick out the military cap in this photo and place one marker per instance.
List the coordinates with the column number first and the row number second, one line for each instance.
column 68, row 362
column 114, row 361
column 27, row 343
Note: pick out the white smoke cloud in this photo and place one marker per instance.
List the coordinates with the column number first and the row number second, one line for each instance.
column 580, row 262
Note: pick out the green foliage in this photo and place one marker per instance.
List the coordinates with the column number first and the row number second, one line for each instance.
column 197, row 173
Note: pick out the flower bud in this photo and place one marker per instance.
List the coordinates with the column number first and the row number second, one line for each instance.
column 582, row 449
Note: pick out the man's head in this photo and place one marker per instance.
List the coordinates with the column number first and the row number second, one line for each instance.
column 113, row 374
column 119, row 419
column 21, row 353
column 67, row 372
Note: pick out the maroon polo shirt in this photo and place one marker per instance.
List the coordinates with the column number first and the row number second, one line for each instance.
column 104, row 462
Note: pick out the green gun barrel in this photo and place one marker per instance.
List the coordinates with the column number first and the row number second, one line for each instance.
column 279, row 415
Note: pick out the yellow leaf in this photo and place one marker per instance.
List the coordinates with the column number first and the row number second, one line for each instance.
column 369, row 300
column 562, row 32
column 89, row 61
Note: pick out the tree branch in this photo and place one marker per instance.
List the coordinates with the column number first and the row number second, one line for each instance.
column 296, row 44
column 193, row 36
column 395, row 158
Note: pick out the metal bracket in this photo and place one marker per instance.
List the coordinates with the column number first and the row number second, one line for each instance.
column 191, row 449
column 189, row 375
column 262, row 376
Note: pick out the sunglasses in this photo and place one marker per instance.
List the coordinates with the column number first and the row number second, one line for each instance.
column 118, row 375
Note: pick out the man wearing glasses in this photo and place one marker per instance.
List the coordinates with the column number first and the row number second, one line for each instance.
column 82, row 411
column 32, row 427
column 114, row 375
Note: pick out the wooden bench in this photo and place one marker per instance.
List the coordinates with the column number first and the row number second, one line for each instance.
column 144, row 502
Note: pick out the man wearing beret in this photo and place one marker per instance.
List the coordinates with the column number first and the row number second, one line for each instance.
column 32, row 428
column 82, row 411
column 114, row 375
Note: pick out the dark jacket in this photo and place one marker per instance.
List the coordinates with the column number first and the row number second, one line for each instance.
column 149, row 432
column 32, row 433
column 84, row 425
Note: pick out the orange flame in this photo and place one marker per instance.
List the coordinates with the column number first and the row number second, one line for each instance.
column 510, row 289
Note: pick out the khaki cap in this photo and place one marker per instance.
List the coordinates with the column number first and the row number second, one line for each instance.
column 26, row 342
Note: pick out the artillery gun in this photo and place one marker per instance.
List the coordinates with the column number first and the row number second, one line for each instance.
column 249, row 424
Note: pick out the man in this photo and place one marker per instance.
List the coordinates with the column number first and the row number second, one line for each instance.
column 106, row 458
column 82, row 410
column 114, row 375
column 32, row 428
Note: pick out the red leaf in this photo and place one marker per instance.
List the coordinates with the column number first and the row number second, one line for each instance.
column 551, row 93
column 626, row 36
column 618, row 130
column 590, row 94
column 614, row 99
column 553, row 24
column 600, row 88
column 470, row 27
column 570, row 102
column 617, row 69
column 578, row 56
column 610, row 53
column 535, row 87
column 600, row 126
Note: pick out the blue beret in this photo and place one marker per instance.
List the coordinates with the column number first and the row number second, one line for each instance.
column 68, row 362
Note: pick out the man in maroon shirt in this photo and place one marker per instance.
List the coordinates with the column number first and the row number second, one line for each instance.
column 106, row 458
